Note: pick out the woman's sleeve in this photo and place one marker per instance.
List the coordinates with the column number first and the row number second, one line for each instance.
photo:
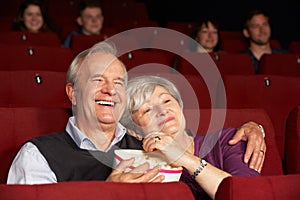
column 233, row 155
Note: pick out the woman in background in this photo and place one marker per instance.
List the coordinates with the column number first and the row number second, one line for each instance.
column 32, row 17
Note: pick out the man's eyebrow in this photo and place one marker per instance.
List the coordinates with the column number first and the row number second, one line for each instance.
column 121, row 79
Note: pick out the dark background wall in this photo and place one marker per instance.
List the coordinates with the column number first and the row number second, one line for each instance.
column 284, row 14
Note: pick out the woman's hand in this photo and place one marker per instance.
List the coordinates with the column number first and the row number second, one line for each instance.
column 256, row 146
column 174, row 150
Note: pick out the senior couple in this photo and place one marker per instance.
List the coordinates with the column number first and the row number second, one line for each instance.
column 101, row 97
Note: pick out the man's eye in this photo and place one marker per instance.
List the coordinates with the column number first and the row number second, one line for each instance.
column 120, row 83
column 98, row 79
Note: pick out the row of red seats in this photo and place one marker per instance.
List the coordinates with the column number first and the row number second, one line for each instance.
column 231, row 188
column 23, row 123
column 278, row 95
column 34, row 50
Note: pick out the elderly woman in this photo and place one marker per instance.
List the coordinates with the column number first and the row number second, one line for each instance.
column 155, row 109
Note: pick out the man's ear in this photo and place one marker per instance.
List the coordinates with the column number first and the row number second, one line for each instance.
column 79, row 21
column 246, row 33
column 70, row 93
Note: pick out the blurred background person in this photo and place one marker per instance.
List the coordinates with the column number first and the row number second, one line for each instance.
column 90, row 20
column 32, row 17
column 257, row 31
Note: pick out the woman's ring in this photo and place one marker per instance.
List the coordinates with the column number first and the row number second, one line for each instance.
column 157, row 138
column 262, row 151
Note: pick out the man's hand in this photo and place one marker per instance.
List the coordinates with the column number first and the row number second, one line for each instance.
column 256, row 146
column 140, row 173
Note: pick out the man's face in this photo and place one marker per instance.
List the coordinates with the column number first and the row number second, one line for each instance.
column 91, row 20
column 259, row 29
column 100, row 91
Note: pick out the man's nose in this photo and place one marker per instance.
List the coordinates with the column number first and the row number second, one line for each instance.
column 109, row 88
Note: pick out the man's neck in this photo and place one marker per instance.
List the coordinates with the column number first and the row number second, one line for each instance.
column 259, row 50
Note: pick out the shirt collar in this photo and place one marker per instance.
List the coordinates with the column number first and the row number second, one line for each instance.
column 83, row 142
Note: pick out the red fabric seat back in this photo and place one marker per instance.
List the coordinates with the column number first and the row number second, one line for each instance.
column 292, row 142
column 211, row 120
column 97, row 189
column 30, row 39
column 23, row 57
column 34, row 88
column 278, row 95
column 280, row 64
column 259, row 188
column 20, row 124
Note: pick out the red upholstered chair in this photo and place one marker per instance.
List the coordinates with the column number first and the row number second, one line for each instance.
column 278, row 95
column 93, row 190
column 22, row 57
column 226, row 63
column 294, row 47
column 211, row 120
column 80, row 42
column 30, row 39
column 140, row 57
column 39, row 88
column 292, row 142
column 280, row 64
column 260, row 188
column 20, row 124
column 33, row 88
column 233, row 63
column 225, row 34
column 183, row 27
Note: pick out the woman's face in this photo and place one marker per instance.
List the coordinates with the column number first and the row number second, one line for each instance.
column 161, row 113
column 33, row 18
column 207, row 36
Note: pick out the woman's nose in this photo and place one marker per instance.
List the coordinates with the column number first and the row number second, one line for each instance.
column 160, row 111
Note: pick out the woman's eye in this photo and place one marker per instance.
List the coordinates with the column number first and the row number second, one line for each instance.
column 167, row 101
column 147, row 110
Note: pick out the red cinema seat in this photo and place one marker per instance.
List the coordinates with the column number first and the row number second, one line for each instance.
column 226, row 63
column 80, row 42
column 259, row 188
column 211, row 120
column 92, row 190
column 20, row 124
column 39, row 88
column 225, row 34
column 183, row 27
column 149, row 57
column 280, row 64
column 294, row 47
column 33, row 88
column 22, row 57
column 278, row 95
column 30, row 39
column 233, row 63
column 292, row 142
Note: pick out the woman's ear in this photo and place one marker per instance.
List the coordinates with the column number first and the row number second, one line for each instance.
column 70, row 93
